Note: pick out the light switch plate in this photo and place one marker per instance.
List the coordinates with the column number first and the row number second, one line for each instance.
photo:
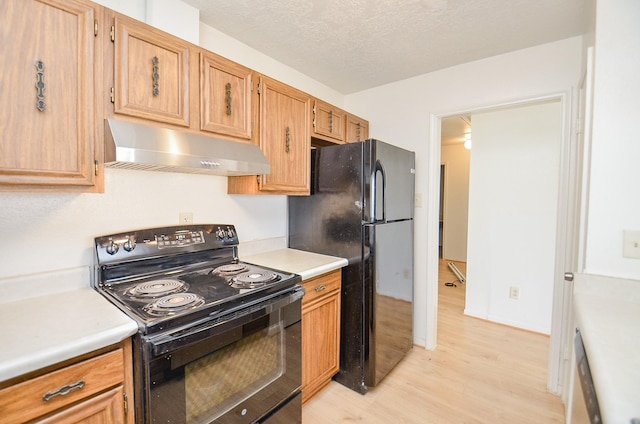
column 631, row 244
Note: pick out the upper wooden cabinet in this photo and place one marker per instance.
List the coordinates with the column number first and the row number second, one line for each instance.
column 284, row 139
column 328, row 122
column 225, row 96
column 151, row 73
column 49, row 76
column 356, row 129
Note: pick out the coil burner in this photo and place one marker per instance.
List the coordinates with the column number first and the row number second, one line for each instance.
column 157, row 288
column 230, row 269
column 253, row 279
column 174, row 303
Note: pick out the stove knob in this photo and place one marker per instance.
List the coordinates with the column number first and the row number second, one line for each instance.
column 129, row 245
column 112, row 248
column 220, row 233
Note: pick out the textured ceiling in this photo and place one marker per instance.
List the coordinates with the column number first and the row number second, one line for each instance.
column 353, row 45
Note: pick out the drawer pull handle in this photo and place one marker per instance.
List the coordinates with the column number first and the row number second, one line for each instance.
column 64, row 390
column 320, row 288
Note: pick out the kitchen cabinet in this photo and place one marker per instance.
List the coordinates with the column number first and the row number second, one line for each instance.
column 94, row 389
column 320, row 332
column 152, row 73
column 356, row 129
column 284, row 139
column 328, row 122
column 50, row 73
column 225, row 96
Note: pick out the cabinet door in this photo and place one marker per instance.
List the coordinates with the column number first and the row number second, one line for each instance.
column 225, row 96
column 284, row 137
column 48, row 131
column 151, row 73
column 328, row 122
column 320, row 333
column 357, row 129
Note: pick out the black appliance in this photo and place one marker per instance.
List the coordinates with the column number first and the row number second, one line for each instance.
column 219, row 339
column 361, row 208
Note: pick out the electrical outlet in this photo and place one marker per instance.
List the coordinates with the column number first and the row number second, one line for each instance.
column 418, row 200
column 631, row 244
column 185, row 218
column 514, row 292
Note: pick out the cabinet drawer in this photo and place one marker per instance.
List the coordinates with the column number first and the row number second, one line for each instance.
column 42, row 395
column 321, row 286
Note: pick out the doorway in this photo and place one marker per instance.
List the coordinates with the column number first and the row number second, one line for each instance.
column 562, row 145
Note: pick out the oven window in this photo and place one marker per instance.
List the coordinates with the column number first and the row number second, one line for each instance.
column 221, row 380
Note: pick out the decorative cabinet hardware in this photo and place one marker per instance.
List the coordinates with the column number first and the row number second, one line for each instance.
column 40, row 104
column 228, row 97
column 287, row 145
column 331, row 121
column 358, row 131
column 156, row 76
column 63, row 391
column 95, row 27
column 320, row 288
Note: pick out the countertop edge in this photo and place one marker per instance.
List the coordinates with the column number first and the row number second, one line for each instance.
column 305, row 264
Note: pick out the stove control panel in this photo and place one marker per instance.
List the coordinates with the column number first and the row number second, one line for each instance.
column 142, row 244
column 179, row 238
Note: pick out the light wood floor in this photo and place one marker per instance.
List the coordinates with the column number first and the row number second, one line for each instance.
column 481, row 372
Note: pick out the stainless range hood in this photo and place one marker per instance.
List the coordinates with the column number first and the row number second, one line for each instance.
column 129, row 145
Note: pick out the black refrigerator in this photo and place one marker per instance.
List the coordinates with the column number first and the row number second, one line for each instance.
column 361, row 208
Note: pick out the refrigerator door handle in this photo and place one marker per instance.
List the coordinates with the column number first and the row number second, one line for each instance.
column 378, row 186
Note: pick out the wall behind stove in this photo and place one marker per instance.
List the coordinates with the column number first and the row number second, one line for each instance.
column 45, row 232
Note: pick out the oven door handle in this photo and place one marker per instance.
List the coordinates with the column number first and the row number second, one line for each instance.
column 233, row 319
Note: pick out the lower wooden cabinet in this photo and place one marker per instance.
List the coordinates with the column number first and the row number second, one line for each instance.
column 93, row 390
column 320, row 332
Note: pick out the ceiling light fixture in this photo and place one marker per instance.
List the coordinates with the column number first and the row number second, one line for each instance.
column 467, row 141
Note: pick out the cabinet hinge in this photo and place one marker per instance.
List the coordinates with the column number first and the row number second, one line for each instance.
column 95, row 27
column 95, row 167
column 113, row 33
column 314, row 122
column 259, row 88
column 113, row 95
column 314, row 109
column 258, row 179
column 126, row 403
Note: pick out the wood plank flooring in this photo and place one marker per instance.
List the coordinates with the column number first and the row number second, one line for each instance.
column 481, row 372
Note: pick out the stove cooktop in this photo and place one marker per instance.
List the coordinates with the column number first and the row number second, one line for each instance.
column 166, row 300
column 173, row 276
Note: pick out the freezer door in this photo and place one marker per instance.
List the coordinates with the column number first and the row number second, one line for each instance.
column 389, row 178
column 388, row 297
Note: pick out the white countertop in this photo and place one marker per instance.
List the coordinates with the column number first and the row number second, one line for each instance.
column 607, row 312
column 305, row 264
column 40, row 331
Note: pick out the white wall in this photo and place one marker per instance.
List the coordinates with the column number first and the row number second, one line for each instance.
column 614, row 204
column 402, row 112
column 456, row 201
column 513, row 197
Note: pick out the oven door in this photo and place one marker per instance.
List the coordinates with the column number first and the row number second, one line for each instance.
column 238, row 368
